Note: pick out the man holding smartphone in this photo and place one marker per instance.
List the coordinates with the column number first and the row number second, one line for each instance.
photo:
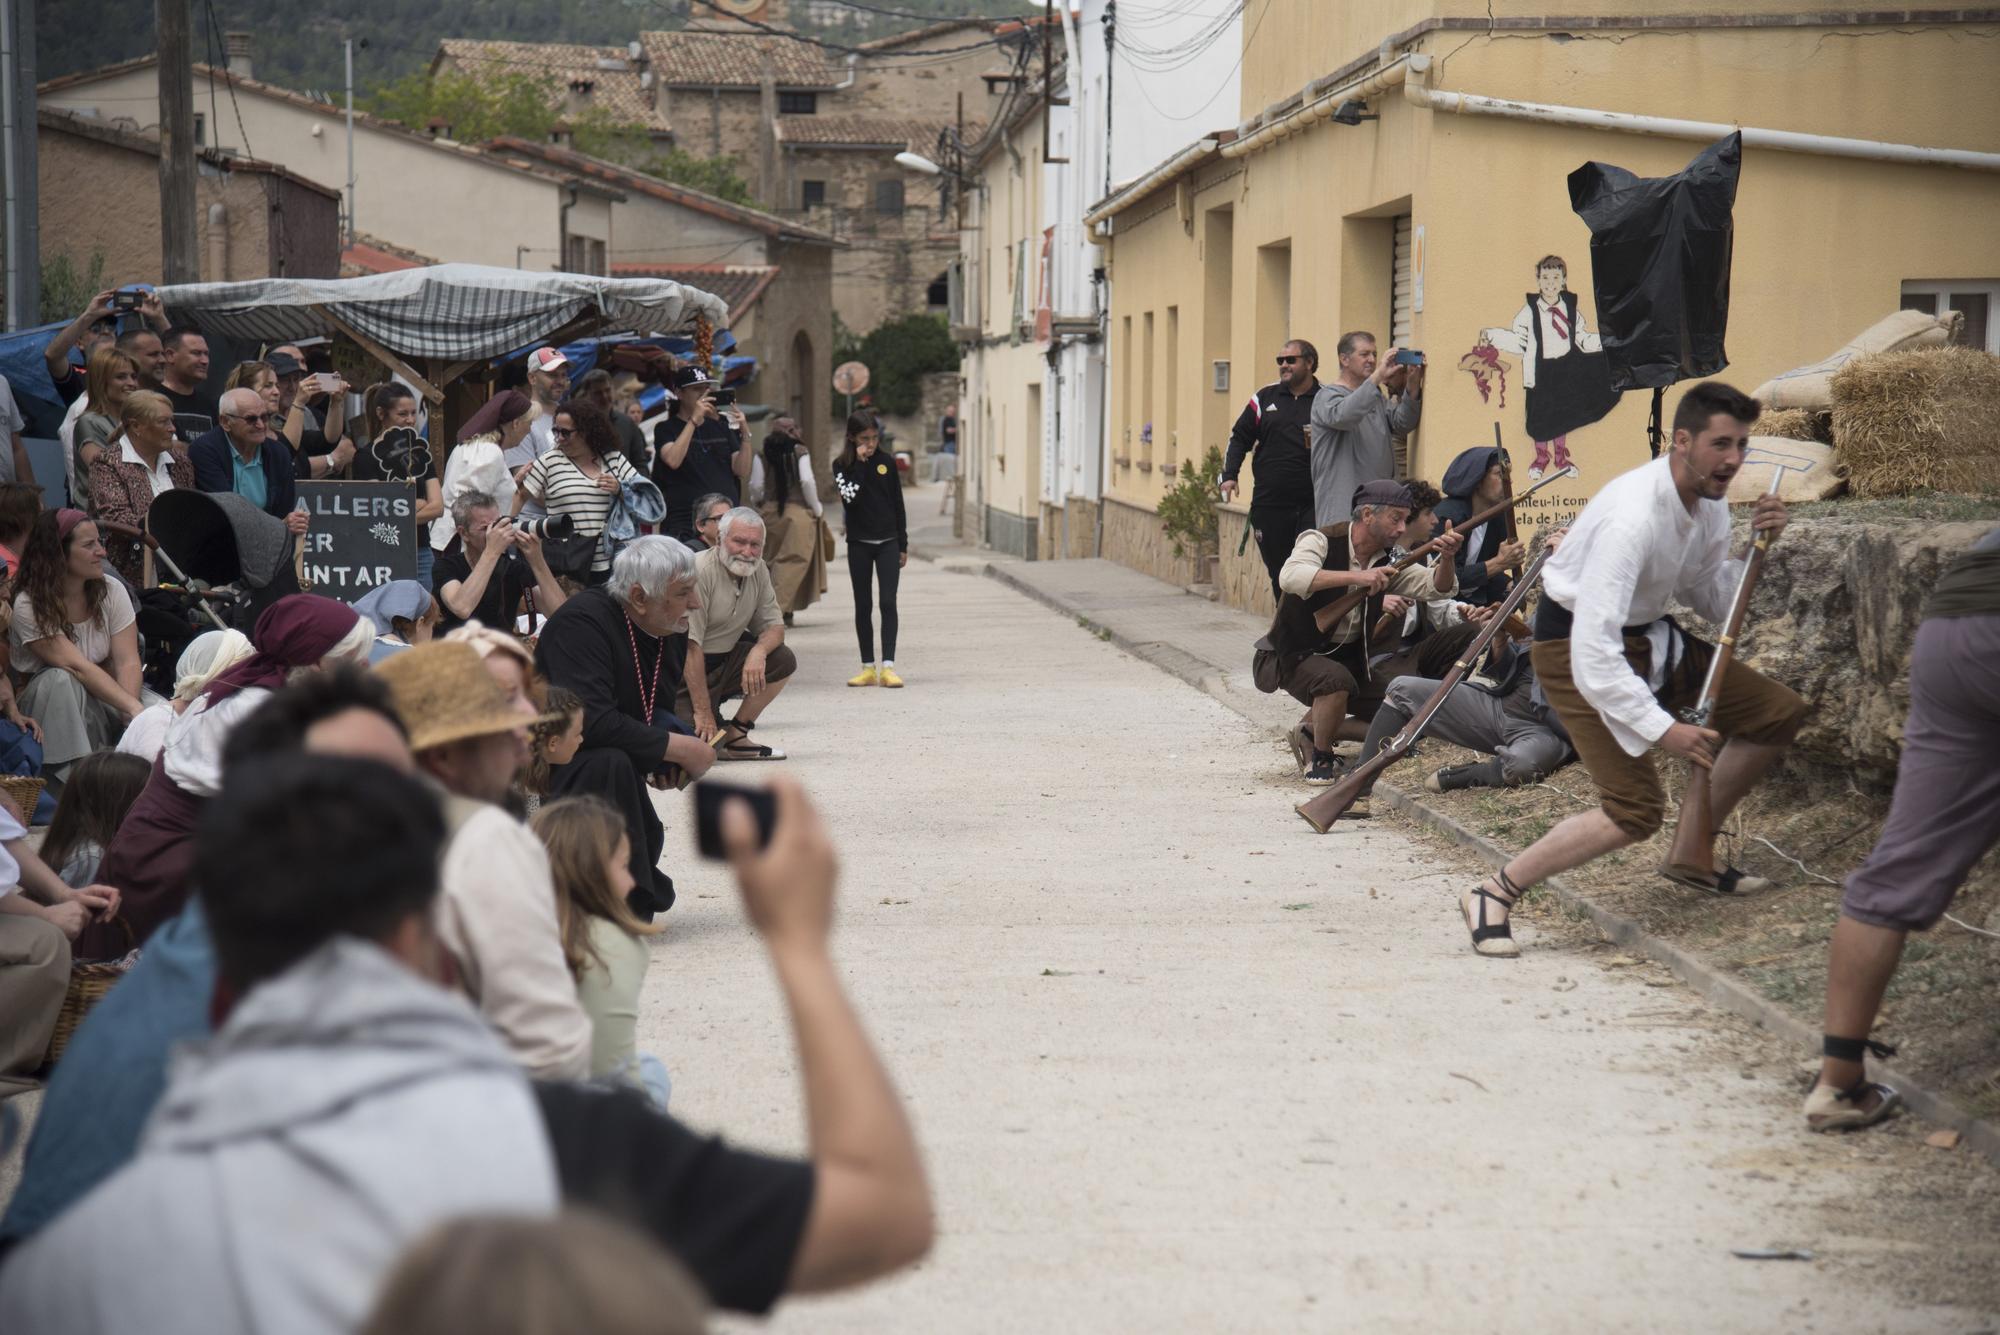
column 1356, row 419
column 701, row 447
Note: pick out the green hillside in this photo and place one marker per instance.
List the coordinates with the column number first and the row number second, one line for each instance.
column 300, row 47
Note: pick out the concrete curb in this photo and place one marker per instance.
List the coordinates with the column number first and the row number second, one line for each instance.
column 1711, row 983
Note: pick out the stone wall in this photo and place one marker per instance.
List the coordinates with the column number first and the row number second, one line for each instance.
column 1833, row 618
column 1241, row 581
column 1133, row 537
column 1082, row 530
column 917, row 433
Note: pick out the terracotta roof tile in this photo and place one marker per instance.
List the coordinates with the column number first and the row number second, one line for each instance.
column 853, row 130
column 617, row 88
column 735, row 60
column 372, row 255
column 739, row 285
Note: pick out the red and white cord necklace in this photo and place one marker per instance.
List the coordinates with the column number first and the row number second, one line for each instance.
column 647, row 697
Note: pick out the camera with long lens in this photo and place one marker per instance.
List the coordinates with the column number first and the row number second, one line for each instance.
column 546, row 526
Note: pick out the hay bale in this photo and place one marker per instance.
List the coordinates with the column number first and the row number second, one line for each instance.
column 1797, row 424
column 1919, row 421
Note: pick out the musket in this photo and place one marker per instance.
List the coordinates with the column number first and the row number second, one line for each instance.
column 1326, row 618
column 1506, row 481
column 1694, row 838
column 1324, row 808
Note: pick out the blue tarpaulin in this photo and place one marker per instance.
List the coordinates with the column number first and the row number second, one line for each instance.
column 27, row 375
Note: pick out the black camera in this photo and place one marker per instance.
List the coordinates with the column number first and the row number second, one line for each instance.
column 127, row 299
column 558, row 527
column 725, row 398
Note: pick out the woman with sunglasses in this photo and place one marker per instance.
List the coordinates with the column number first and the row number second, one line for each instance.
column 581, row 477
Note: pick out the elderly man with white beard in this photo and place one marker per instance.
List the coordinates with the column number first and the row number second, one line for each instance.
column 736, row 640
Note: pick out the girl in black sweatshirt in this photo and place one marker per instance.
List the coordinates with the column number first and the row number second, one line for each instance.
column 878, row 541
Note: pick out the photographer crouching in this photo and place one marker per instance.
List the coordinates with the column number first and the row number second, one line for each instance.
column 484, row 573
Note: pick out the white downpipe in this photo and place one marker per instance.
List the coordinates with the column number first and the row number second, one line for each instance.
column 1785, row 141
column 1166, row 171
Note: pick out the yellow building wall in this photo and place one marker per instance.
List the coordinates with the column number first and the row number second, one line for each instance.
column 1000, row 429
column 1822, row 244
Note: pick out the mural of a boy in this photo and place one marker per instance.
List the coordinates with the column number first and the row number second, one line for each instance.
column 1563, row 370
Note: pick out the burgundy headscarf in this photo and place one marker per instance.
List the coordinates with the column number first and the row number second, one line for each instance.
column 67, row 520
column 502, row 408
column 296, row 631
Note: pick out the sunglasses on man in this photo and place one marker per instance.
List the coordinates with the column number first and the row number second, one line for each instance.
column 1288, row 360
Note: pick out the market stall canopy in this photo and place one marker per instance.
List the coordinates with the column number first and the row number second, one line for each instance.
column 459, row 312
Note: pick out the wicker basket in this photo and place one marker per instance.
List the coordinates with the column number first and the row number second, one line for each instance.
column 88, row 982
column 24, row 792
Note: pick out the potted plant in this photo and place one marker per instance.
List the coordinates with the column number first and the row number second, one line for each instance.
column 1187, row 514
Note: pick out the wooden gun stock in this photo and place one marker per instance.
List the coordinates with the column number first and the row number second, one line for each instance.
column 1336, row 611
column 1694, row 838
column 1323, row 810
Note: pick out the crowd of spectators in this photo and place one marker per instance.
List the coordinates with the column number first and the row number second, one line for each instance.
column 377, row 882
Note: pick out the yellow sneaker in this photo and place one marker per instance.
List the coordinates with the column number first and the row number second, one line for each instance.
column 890, row 679
column 867, row 677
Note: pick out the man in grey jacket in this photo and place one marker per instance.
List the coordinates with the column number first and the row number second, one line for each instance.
column 1355, row 419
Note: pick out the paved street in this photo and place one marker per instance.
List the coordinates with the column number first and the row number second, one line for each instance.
column 1178, row 1064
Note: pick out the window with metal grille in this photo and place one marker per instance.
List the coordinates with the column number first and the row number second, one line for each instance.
column 798, row 104
column 889, row 195
column 812, row 194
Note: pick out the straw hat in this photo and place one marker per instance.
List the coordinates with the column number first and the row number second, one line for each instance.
column 445, row 694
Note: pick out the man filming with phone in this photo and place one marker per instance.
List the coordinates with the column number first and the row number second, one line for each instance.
column 484, row 572
column 1356, row 418
column 701, row 447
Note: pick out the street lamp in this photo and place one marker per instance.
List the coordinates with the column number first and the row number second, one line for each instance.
column 917, row 162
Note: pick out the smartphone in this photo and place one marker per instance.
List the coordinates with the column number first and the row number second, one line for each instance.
column 328, row 382
column 709, row 797
column 725, row 398
column 1409, row 357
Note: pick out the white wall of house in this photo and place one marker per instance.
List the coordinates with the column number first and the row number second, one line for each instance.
column 1164, row 93
column 439, row 200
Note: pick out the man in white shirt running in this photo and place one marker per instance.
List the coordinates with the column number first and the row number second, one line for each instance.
column 1615, row 666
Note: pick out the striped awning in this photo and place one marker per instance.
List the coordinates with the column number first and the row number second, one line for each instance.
column 458, row 311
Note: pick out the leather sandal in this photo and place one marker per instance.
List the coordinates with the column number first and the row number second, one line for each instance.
column 1730, row 884
column 1830, row 1109
column 1493, row 940
column 734, row 744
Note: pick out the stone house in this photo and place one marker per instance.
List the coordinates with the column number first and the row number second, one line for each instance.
column 99, row 195
column 814, row 132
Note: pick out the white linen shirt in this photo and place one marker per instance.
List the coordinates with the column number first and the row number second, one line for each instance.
column 161, row 473
column 1631, row 555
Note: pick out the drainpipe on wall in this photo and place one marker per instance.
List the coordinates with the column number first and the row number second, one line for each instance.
column 218, row 244
column 571, row 195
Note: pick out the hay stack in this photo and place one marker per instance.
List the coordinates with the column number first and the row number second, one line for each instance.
column 1919, row 421
column 1797, row 424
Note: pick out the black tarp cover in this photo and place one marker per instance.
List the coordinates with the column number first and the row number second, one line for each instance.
column 1659, row 260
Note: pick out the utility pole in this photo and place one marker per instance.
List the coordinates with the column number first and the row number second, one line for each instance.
column 350, row 141
column 179, row 246
column 19, row 125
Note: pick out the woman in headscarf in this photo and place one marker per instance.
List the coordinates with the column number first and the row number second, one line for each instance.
column 210, row 654
column 403, row 613
column 792, row 522
column 151, row 857
column 477, row 463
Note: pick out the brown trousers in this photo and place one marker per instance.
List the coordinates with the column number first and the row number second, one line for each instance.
column 34, row 976
column 1749, row 705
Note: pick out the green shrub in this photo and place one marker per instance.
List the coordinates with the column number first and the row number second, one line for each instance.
column 1188, row 509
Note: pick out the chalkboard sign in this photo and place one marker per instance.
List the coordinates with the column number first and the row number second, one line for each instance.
column 362, row 535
